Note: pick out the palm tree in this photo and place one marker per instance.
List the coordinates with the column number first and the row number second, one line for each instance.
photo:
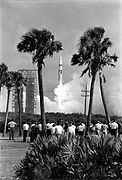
column 9, row 83
column 20, row 82
column 3, row 70
column 93, row 53
column 40, row 44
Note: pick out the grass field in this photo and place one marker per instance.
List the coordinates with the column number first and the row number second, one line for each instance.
column 11, row 152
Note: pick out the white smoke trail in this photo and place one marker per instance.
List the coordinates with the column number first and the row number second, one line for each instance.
column 60, row 93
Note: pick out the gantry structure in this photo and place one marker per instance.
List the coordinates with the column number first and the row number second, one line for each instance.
column 28, row 97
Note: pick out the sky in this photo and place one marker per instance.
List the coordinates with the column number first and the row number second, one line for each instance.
column 67, row 20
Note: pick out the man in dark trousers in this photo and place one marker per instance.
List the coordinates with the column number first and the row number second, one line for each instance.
column 11, row 127
column 33, row 132
column 25, row 131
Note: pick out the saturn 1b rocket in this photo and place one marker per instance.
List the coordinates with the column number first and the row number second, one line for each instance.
column 60, row 71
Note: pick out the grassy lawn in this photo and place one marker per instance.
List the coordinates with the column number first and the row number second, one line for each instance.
column 11, row 152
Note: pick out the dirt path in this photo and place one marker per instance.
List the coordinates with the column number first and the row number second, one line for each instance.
column 11, row 152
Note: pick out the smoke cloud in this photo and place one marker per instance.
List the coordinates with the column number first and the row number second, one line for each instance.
column 68, row 97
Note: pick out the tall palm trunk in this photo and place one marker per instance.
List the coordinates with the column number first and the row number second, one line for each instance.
column 41, row 93
column 103, row 100
column 19, row 107
column 0, row 92
column 6, row 115
column 90, row 105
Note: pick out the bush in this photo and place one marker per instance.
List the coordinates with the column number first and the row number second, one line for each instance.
column 76, row 159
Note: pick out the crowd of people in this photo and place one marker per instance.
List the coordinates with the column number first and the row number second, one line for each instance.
column 78, row 129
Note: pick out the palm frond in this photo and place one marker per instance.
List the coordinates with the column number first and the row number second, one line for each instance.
column 75, row 59
column 9, row 79
column 109, row 60
column 85, row 71
column 95, row 33
column 28, row 43
column 104, row 79
column 54, row 46
column 68, row 150
column 3, row 68
column 114, row 57
column 105, row 44
column 39, row 43
column 3, row 72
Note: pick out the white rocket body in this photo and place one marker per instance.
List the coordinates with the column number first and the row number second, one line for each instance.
column 60, row 71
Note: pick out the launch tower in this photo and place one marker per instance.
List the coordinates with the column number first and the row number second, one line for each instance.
column 28, row 94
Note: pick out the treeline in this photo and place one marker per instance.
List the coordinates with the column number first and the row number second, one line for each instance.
column 54, row 117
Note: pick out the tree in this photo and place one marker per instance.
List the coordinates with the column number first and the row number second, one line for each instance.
column 93, row 53
column 3, row 70
column 20, row 82
column 40, row 44
column 9, row 83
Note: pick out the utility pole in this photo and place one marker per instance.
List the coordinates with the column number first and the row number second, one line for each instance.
column 85, row 95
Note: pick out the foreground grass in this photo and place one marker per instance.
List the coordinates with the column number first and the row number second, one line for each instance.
column 10, row 154
column 72, row 159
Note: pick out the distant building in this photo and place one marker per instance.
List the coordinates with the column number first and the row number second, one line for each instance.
column 28, row 94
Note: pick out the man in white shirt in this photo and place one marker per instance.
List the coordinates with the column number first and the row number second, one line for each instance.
column 40, row 129
column 25, row 131
column 59, row 130
column 11, row 126
column 114, row 128
column 53, row 129
column 71, row 130
column 81, row 129
column 98, row 127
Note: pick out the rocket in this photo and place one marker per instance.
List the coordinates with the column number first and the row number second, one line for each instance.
column 60, row 71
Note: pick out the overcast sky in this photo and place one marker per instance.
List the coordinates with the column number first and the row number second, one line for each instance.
column 67, row 20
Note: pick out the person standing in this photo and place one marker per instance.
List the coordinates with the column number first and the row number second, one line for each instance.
column 33, row 132
column 114, row 128
column 66, row 125
column 104, row 129
column 98, row 127
column 59, row 130
column 81, row 129
column 25, row 131
column 40, row 129
column 11, row 126
column 71, row 130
